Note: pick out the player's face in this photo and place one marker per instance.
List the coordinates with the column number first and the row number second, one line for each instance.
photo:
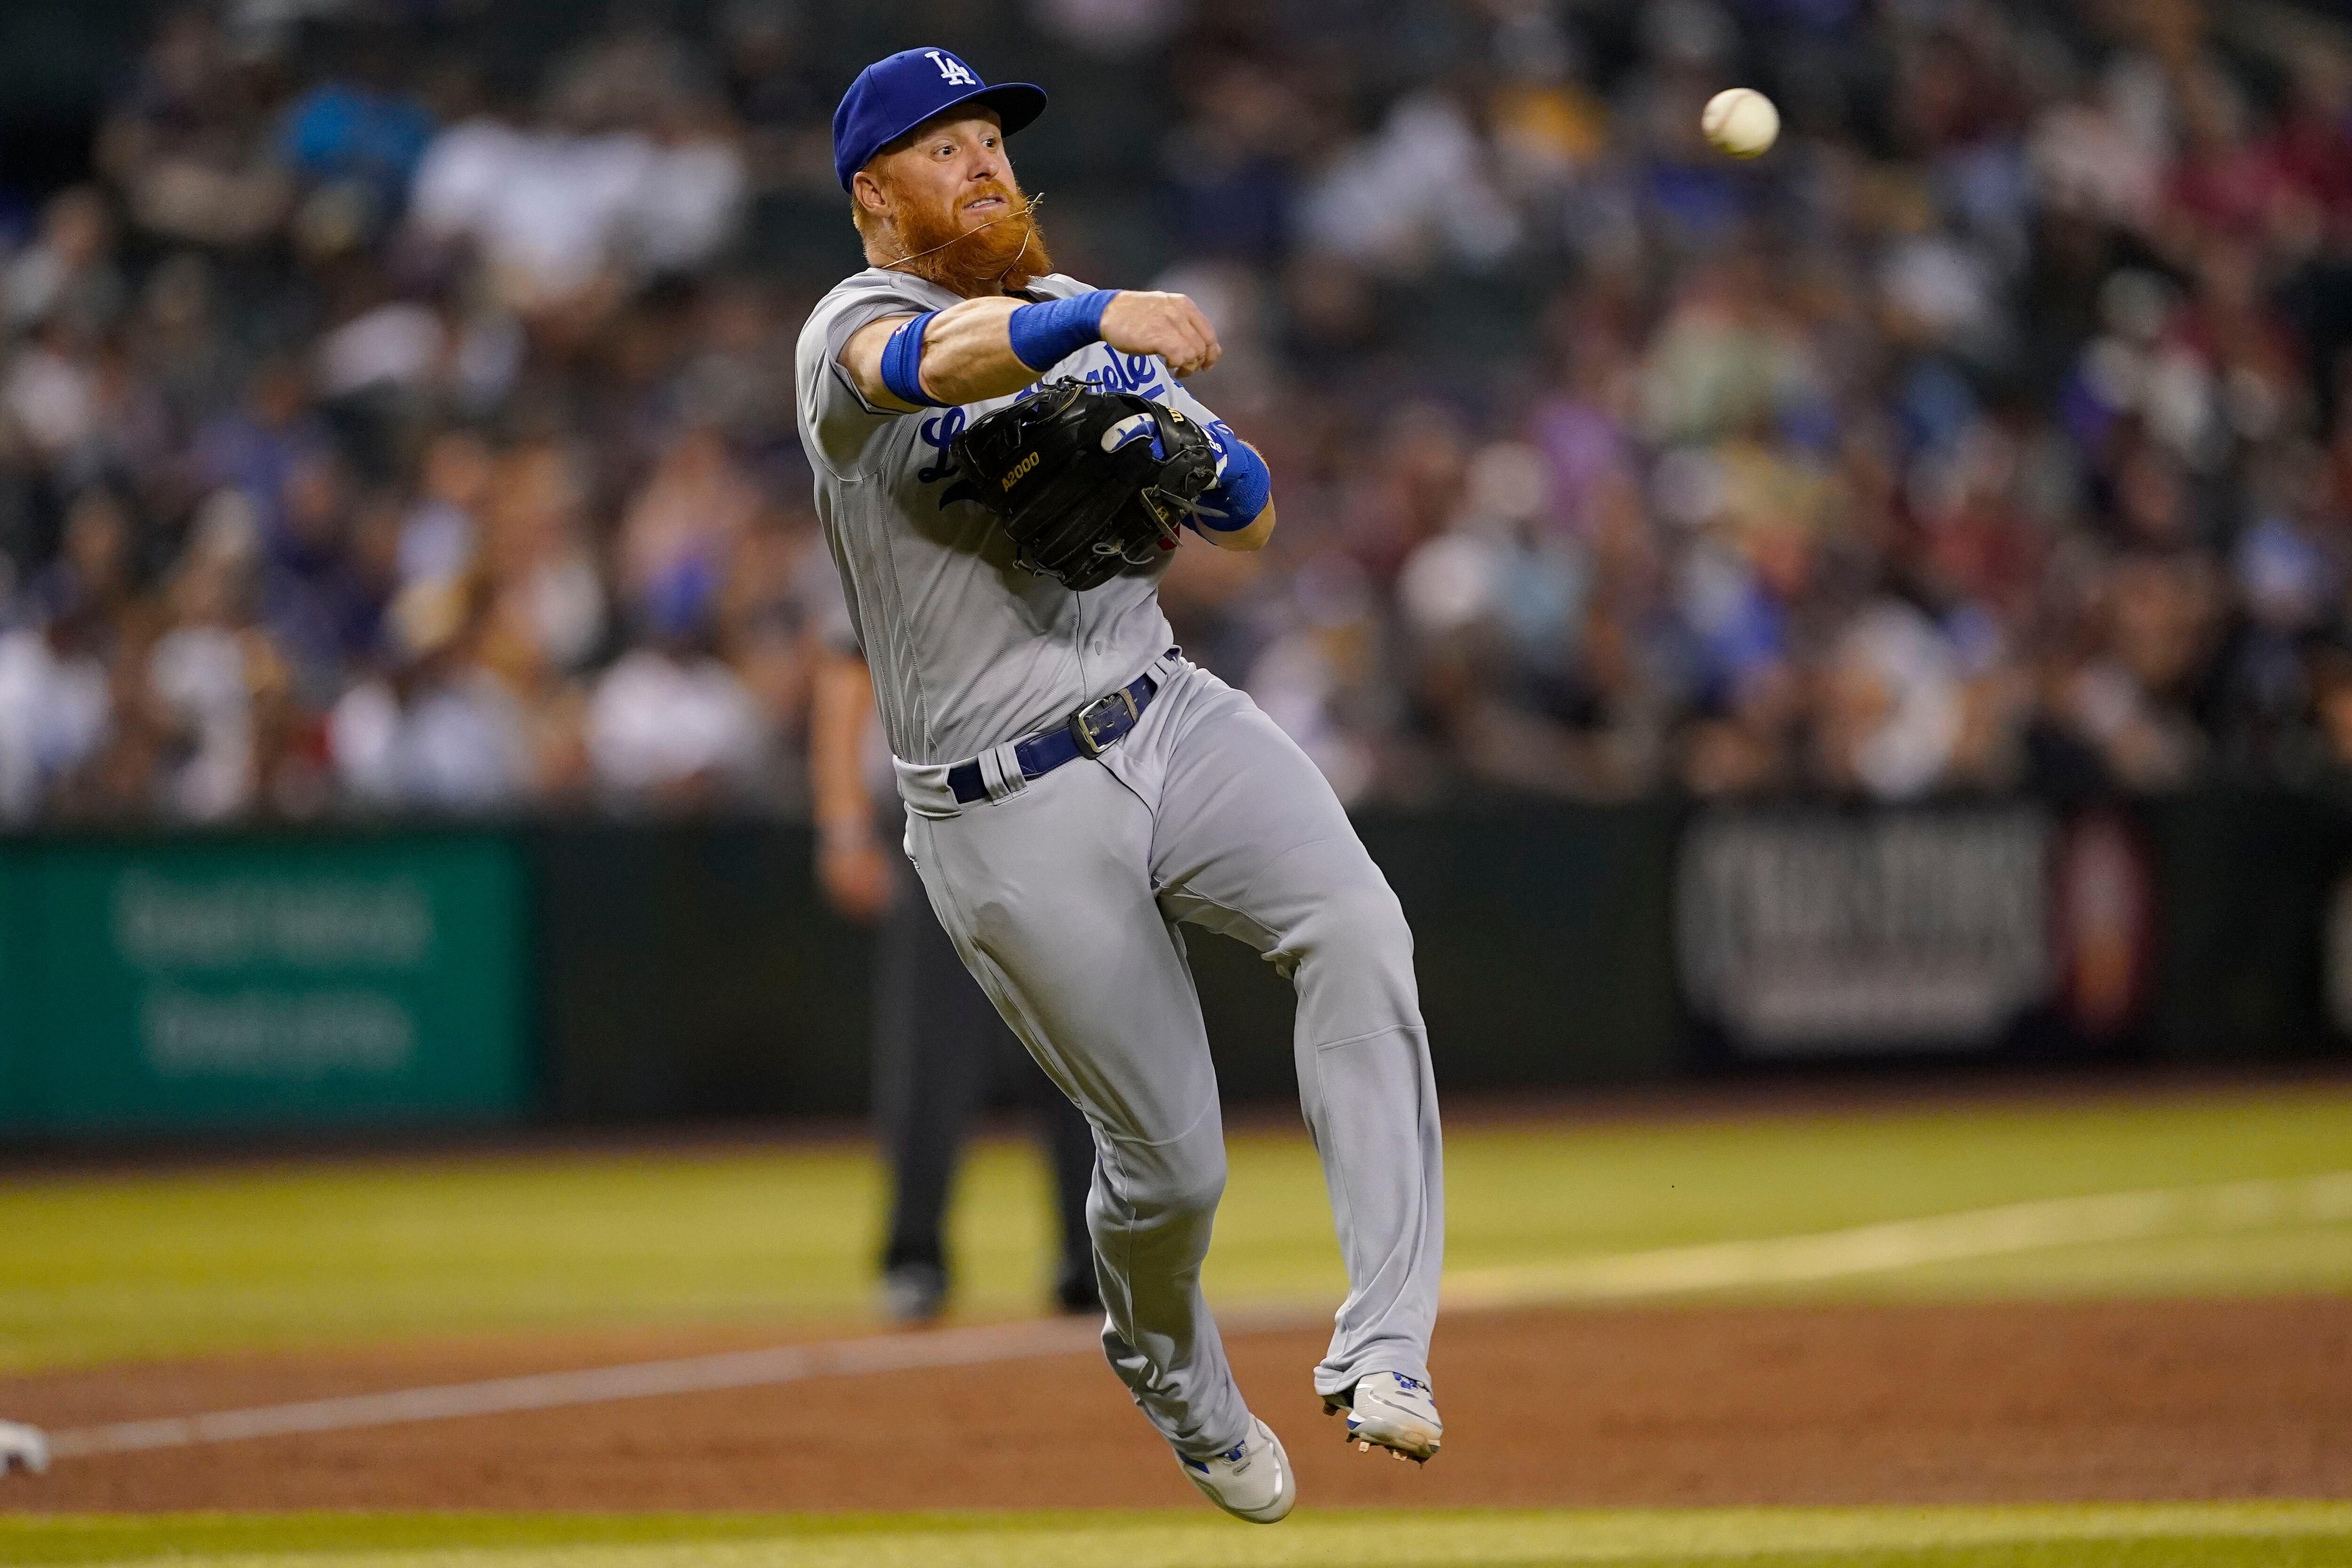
column 954, row 175
column 946, row 206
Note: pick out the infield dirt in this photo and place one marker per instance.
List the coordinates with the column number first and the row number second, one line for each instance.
column 2016, row 1402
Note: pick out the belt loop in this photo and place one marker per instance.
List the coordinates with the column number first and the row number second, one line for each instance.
column 1000, row 770
column 924, row 788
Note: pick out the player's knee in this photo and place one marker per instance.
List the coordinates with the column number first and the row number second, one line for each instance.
column 1184, row 1188
column 1196, row 1191
column 1155, row 1185
column 1197, row 1200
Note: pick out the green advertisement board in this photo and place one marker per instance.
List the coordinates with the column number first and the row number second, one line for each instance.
column 16, row 1067
column 223, row 982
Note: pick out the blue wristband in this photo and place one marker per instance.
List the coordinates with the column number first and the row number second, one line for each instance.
column 1241, row 492
column 902, row 363
column 1046, row 334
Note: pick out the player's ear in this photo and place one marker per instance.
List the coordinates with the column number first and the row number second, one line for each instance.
column 866, row 191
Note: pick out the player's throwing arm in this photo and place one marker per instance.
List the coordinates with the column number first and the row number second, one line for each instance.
column 968, row 354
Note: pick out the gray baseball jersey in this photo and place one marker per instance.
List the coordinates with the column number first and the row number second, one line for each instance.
column 967, row 649
column 1063, row 893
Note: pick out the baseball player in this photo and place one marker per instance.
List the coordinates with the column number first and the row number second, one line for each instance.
column 1003, row 456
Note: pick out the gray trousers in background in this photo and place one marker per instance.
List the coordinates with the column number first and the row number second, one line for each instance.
column 1063, row 897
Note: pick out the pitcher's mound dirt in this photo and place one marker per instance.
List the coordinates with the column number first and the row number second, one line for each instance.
column 1789, row 1405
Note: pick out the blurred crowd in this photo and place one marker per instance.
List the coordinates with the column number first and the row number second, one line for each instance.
column 387, row 427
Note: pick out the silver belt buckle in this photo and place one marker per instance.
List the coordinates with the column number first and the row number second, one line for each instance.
column 1082, row 723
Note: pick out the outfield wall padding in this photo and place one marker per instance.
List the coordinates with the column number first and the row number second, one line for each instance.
column 604, row 971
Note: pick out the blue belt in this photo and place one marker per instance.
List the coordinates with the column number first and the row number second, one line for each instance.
column 1101, row 723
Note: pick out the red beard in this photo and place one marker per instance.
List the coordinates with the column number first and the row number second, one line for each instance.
column 1005, row 252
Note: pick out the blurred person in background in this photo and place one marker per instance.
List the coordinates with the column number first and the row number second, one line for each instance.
column 434, row 732
column 213, row 673
column 534, row 542
column 326, row 569
column 188, row 142
column 354, row 139
column 669, row 724
column 58, row 703
column 55, row 710
column 69, row 270
column 686, row 525
column 442, row 532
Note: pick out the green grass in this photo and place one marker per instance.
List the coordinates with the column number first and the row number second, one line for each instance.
column 105, row 1267
column 2225, row 1535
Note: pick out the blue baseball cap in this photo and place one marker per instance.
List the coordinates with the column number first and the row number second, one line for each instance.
column 893, row 95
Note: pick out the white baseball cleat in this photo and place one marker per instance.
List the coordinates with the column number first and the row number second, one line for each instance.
column 1397, row 1412
column 1250, row 1481
column 22, row 1447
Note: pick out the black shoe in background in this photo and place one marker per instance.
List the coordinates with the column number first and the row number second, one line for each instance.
column 914, row 1294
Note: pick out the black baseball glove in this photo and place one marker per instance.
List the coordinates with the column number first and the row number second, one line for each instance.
column 1086, row 483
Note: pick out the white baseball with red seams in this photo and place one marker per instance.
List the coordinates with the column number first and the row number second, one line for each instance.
column 1740, row 122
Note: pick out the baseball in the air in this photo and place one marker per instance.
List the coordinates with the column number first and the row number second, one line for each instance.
column 1740, row 120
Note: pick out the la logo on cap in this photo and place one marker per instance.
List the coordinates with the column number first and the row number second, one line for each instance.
column 952, row 71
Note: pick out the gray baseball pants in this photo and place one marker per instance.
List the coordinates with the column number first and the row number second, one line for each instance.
column 1063, row 895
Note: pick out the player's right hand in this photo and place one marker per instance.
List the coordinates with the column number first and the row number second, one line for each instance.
column 856, row 876
column 1141, row 322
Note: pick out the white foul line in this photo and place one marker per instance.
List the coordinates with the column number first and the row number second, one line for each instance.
column 1909, row 1243
column 1711, row 1266
column 977, row 1346
column 593, row 1386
